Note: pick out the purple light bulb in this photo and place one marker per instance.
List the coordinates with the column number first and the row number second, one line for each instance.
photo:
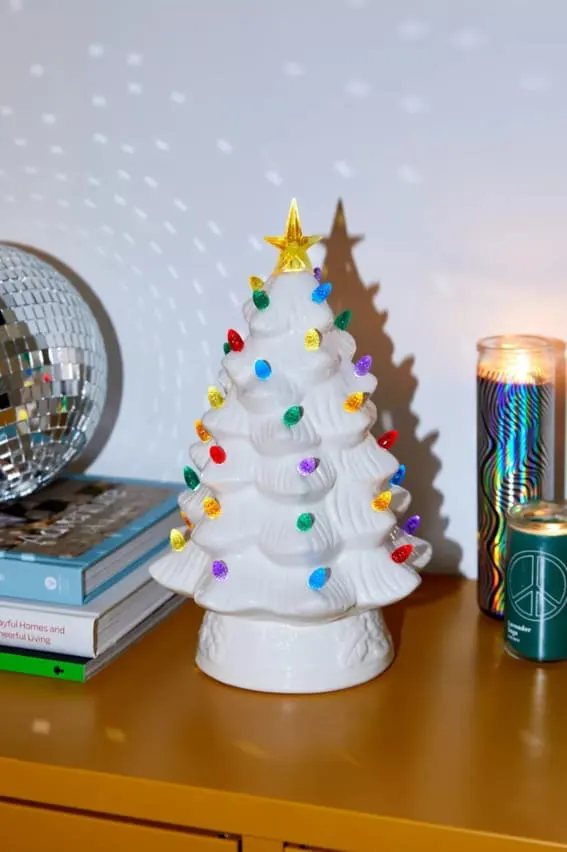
column 307, row 466
column 363, row 365
column 411, row 525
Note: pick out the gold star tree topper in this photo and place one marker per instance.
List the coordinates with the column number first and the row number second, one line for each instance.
column 293, row 245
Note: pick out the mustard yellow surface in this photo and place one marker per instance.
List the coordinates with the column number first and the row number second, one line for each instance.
column 458, row 748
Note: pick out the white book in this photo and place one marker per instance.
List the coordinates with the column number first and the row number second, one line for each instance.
column 82, row 631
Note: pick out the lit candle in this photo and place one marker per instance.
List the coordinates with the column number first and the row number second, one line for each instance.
column 515, row 444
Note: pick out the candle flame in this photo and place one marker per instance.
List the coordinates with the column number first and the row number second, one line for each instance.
column 512, row 365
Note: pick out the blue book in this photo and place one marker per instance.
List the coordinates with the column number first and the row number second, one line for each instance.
column 71, row 540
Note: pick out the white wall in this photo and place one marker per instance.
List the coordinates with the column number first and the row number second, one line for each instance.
column 150, row 144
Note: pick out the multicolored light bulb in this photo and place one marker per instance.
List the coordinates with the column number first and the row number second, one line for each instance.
column 321, row 293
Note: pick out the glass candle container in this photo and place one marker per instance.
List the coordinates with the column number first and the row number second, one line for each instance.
column 515, row 445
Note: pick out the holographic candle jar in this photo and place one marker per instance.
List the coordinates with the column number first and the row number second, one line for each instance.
column 515, row 445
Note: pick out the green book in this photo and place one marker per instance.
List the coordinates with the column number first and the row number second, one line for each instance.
column 64, row 667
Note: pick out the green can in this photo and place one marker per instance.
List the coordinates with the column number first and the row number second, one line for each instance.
column 535, row 588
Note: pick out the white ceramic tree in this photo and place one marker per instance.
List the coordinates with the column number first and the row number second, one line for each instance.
column 292, row 503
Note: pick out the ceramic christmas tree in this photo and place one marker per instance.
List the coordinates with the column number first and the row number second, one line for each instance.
column 291, row 540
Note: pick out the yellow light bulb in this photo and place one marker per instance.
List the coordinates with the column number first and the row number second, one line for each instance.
column 177, row 540
column 211, row 507
column 382, row 501
column 354, row 402
column 216, row 399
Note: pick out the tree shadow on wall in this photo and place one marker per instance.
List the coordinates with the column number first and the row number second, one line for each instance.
column 396, row 389
column 115, row 379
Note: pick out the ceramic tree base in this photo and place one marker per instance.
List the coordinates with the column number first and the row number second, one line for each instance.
column 274, row 656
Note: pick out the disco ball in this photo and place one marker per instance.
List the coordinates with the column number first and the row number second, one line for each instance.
column 52, row 373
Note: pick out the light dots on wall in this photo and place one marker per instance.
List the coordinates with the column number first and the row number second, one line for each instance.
column 343, row 169
column 293, row 69
column 62, row 177
column 95, row 50
column 56, row 150
column 37, row 70
column 224, row 146
column 535, row 83
column 180, row 204
column 199, row 245
column 48, row 118
column 169, row 227
column 100, row 139
column 178, row 97
column 135, row 88
column 151, row 182
column 162, row 145
column 140, row 213
column 119, row 199
column 155, row 247
column 409, row 175
column 468, row 39
column 441, row 283
column 274, row 177
column 358, row 89
column 98, row 101
column 134, row 59
column 412, row 104
column 413, row 30
column 6, row 111
column 126, row 148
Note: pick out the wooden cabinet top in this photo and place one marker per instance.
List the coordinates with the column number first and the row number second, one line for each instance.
column 456, row 737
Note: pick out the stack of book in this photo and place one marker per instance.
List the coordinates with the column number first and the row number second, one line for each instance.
column 75, row 590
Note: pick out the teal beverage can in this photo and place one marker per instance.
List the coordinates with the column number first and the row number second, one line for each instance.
column 535, row 585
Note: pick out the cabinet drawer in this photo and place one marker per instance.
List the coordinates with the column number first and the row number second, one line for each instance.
column 25, row 828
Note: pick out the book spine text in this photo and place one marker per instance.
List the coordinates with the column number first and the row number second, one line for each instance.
column 41, row 630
